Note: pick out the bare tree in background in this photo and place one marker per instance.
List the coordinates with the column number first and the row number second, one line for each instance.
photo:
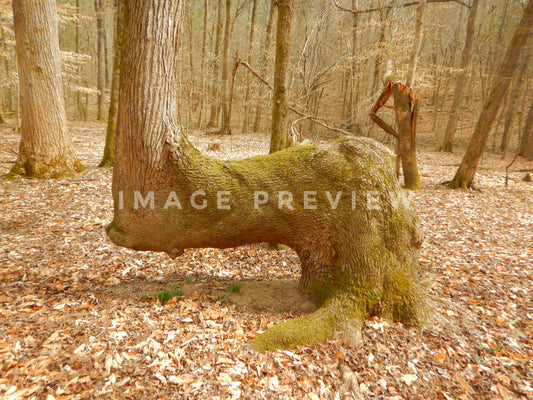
column 225, row 129
column 263, row 62
column 462, row 79
column 109, row 149
column 280, row 106
column 464, row 178
column 101, row 57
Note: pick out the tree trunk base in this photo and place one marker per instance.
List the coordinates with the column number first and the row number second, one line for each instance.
column 57, row 168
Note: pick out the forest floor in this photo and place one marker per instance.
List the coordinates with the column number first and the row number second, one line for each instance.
column 79, row 316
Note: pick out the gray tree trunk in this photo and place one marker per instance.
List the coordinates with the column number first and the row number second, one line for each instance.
column 45, row 148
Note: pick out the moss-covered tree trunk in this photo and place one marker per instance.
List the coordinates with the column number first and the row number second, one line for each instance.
column 109, row 149
column 464, row 177
column 280, row 104
column 45, row 148
column 339, row 206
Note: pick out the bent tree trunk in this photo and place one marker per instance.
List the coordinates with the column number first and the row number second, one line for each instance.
column 45, row 148
column 339, row 206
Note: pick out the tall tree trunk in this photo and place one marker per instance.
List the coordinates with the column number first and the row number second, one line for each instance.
column 464, row 178
column 215, row 109
column 45, row 148
column 353, row 81
column 251, row 46
column 264, row 63
column 109, row 150
column 462, row 80
column 226, row 116
column 526, row 142
column 516, row 94
column 280, row 105
column 357, row 262
column 419, row 34
column 81, row 112
column 203, row 92
column 100, row 56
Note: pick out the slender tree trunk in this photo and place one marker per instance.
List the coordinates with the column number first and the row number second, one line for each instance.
column 280, row 105
column 526, row 142
column 464, row 178
column 45, row 149
column 251, row 46
column 2, row 118
column 215, row 102
column 226, row 117
column 81, row 112
column 203, row 93
column 462, row 80
column 108, row 158
column 353, row 70
column 100, row 56
column 419, row 34
column 264, row 63
column 516, row 94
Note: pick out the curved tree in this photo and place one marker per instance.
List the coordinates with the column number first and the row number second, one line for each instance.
column 339, row 206
column 45, row 148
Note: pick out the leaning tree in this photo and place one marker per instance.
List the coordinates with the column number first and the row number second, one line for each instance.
column 339, row 206
column 45, row 148
column 464, row 177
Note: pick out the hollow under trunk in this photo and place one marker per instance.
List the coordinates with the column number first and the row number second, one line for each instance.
column 340, row 207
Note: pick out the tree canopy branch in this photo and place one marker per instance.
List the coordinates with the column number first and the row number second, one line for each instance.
column 410, row 4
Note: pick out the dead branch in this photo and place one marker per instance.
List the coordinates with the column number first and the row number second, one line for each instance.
column 410, row 4
column 256, row 74
column 315, row 119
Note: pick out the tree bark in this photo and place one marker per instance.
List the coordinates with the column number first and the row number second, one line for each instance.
column 100, row 56
column 45, row 149
column 526, row 143
column 353, row 93
column 419, row 35
column 264, row 62
column 516, row 94
column 215, row 103
column 108, row 158
column 359, row 258
column 280, row 105
column 203, row 93
column 464, row 178
column 226, row 116
column 81, row 111
column 251, row 46
column 406, row 110
column 462, row 80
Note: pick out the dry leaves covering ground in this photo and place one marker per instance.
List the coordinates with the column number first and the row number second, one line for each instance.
column 78, row 317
